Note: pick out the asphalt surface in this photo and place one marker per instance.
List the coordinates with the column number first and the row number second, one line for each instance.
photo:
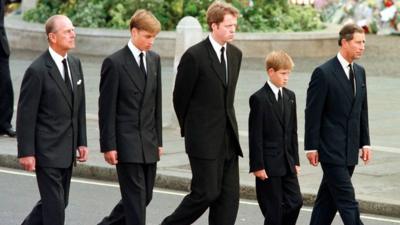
column 91, row 200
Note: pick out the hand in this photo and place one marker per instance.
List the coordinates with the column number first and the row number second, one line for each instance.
column 313, row 158
column 160, row 151
column 260, row 174
column 28, row 163
column 366, row 155
column 111, row 157
column 82, row 154
column 298, row 169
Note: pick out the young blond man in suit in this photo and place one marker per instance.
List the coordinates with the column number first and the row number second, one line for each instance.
column 130, row 118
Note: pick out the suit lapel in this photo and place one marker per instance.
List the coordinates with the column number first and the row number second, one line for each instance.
column 133, row 71
column 74, row 79
column 56, row 76
column 358, row 86
column 151, row 75
column 232, row 67
column 341, row 77
column 287, row 106
column 272, row 100
column 215, row 63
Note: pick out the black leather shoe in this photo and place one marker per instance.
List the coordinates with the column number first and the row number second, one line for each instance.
column 9, row 132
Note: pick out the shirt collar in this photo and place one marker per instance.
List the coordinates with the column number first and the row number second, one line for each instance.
column 274, row 88
column 216, row 46
column 343, row 62
column 56, row 57
column 135, row 51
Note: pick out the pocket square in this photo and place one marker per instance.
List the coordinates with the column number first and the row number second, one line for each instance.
column 79, row 82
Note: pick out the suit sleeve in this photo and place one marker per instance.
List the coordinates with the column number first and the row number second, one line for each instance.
column 185, row 82
column 82, row 138
column 316, row 94
column 159, row 104
column 364, row 126
column 109, row 83
column 295, row 142
column 256, row 134
column 28, row 105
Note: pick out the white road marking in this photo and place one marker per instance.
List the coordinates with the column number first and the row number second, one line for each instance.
column 178, row 193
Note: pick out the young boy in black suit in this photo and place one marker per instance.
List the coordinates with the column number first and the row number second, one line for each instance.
column 273, row 145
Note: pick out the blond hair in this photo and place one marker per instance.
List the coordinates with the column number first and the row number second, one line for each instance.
column 145, row 20
column 217, row 11
column 278, row 60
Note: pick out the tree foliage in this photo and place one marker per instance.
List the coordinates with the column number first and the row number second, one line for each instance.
column 262, row 15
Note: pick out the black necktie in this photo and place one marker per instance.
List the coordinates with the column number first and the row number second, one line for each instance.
column 351, row 78
column 280, row 102
column 223, row 64
column 142, row 68
column 67, row 80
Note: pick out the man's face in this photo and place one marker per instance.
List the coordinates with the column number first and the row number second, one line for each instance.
column 143, row 40
column 355, row 47
column 63, row 37
column 225, row 31
column 280, row 77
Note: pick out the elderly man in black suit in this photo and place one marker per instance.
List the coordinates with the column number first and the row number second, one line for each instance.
column 203, row 100
column 336, row 127
column 51, row 121
column 130, row 118
column 6, row 89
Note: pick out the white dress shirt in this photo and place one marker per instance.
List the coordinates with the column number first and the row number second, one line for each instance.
column 58, row 60
column 217, row 48
column 136, row 53
column 275, row 89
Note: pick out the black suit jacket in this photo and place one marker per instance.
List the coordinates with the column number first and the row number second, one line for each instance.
column 51, row 127
column 203, row 102
column 273, row 142
column 130, row 107
column 4, row 48
column 336, row 121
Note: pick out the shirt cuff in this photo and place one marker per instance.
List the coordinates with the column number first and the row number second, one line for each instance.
column 307, row 151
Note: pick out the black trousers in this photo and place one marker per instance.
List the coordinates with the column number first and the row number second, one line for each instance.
column 279, row 199
column 214, row 186
column 136, row 183
column 336, row 193
column 6, row 92
column 54, row 184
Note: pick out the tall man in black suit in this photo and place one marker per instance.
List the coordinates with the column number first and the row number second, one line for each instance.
column 336, row 127
column 203, row 100
column 130, row 118
column 273, row 145
column 51, row 121
column 6, row 89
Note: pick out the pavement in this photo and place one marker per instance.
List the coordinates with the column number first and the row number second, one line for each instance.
column 377, row 184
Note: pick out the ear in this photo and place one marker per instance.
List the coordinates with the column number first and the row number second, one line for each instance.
column 134, row 32
column 343, row 42
column 214, row 26
column 270, row 71
column 51, row 37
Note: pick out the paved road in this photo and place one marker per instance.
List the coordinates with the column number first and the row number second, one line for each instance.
column 90, row 200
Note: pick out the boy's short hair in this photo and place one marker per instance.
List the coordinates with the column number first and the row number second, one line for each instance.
column 145, row 20
column 217, row 11
column 278, row 60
